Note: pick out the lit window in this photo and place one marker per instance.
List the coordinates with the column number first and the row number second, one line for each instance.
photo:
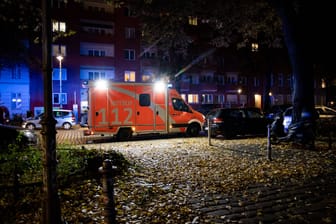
column 129, row 76
column 58, row 26
column 254, row 47
column 193, row 98
column 192, row 20
column 16, row 101
column 146, row 78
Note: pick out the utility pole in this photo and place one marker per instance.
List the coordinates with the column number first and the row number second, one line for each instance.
column 50, row 204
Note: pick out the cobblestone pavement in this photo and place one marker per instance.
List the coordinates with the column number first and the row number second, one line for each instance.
column 313, row 202
column 300, row 202
column 72, row 136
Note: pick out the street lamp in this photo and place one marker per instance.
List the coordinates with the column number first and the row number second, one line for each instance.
column 60, row 58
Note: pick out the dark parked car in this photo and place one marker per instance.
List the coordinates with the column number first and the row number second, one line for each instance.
column 230, row 122
column 10, row 133
column 276, row 109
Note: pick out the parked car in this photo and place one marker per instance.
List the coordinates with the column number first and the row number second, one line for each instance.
column 276, row 109
column 322, row 111
column 65, row 119
column 10, row 133
column 231, row 122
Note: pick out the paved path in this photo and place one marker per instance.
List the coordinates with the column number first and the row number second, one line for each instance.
column 72, row 136
column 313, row 202
column 292, row 202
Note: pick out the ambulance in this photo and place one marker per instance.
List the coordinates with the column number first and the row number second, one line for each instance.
column 124, row 109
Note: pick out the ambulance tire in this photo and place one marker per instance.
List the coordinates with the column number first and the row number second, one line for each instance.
column 124, row 133
column 193, row 130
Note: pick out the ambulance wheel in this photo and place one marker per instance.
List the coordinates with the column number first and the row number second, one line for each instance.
column 193, row 130
column 124, row 133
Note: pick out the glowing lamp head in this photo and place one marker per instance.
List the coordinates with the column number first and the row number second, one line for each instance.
column 59, row 58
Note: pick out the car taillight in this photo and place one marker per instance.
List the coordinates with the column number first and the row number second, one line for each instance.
column 73, row 118
column 217, row 120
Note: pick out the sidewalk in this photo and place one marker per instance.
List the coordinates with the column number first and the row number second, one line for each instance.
column 287, row 189
column 309, row 202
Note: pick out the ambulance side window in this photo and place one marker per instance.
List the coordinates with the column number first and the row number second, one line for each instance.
column 179, row 105
column 144, row 100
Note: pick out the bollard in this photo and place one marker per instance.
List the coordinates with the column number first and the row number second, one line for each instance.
column 108, row 192
column 269, row 148
column 209, row 132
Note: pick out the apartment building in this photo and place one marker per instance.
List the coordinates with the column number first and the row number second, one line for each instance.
column 95, row 40
column 14, row 90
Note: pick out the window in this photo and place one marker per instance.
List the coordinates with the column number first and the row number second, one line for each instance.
column 254, row 47
column 206, row 78
column 129, row 54
column 58, row 26
column 144, row 100
column 183, row 96
column 58, row 50
column 232, row 99
column 97, row 75
column 179, row 105
column 231, row 79
column 243, row 80
column 129, row 76
column 129, row 12
column 56, row 74
column 60, row 97
column 16, row 72
column 130, row 33
column 193, row 98
column 236, row 114
column 254, row 114
column 96, row 53
column 97, row 50
column 207, row 98
column 146, row 78
column 243, row 99
column 221, row 99
column 97, row 27
column 192, row 20
column 94, row 73
column 16, row 101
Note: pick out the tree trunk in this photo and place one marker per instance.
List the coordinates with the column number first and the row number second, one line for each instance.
column 297, row 39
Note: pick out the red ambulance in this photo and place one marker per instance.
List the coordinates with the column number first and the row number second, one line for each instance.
column 127, row 109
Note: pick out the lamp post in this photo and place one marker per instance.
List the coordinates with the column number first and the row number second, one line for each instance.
column 60, row 58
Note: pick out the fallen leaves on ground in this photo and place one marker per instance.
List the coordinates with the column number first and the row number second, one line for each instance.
column 167, row 173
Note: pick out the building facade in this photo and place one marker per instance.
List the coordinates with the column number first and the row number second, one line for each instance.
column 94, row 40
